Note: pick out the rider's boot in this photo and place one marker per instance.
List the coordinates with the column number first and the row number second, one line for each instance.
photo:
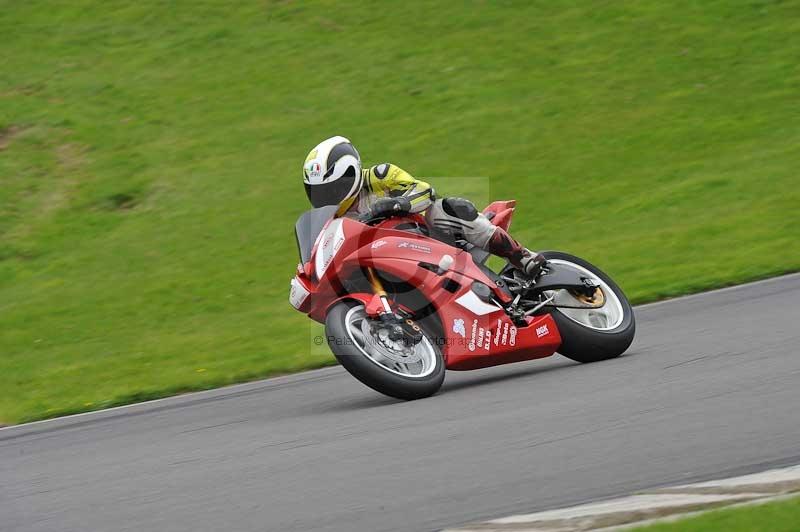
column 503, row 245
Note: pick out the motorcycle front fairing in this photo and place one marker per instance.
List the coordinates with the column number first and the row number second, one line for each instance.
column 475, row 333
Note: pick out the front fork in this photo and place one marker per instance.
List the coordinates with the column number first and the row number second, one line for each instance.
column 380, row 294
column 380, row 307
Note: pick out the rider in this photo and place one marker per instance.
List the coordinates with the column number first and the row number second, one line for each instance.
column 332, row 175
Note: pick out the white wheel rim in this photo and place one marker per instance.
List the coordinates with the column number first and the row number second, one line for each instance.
column 605, row 318
column 422, row 356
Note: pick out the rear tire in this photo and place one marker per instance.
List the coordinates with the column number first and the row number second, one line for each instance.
column 585, row 344
column 373, row 374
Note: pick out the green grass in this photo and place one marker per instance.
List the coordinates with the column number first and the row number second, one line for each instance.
column 776, row 516
column 150, row 157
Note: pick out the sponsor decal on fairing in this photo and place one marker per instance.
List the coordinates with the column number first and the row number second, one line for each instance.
column 474, row 331
column 504, row 334
column 297, row 293
column 480, row 337
column 459, row 328
column 542, row 331
column 416, row 247
column 332, row 241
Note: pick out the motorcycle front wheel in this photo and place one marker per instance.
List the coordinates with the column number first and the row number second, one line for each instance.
column 399, row 369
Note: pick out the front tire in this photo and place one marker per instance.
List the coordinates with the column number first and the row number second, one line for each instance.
column 587, row 338
column 373, row 364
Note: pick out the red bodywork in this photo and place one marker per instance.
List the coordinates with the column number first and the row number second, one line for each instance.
column 476, row 334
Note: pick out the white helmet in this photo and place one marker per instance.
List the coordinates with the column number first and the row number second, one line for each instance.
column 332, row 172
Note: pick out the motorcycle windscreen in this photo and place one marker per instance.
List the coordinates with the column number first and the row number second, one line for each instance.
column 308, row 228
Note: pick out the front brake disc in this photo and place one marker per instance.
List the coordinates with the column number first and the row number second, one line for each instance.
column 396, row 352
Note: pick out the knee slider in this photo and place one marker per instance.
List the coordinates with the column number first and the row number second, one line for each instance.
column 460, row 208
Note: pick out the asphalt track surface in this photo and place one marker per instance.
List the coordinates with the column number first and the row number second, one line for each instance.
column 710, row 388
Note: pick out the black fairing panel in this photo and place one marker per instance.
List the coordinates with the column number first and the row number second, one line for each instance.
column 560, row 276
column 308, row 228
column 556, row 277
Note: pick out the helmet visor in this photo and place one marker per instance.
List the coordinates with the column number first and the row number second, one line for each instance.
column 332, row 193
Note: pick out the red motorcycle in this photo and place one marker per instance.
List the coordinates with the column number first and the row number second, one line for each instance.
column 401, row 303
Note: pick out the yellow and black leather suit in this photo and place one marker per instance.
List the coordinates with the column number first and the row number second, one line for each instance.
column 451, row 216
column 387, row 180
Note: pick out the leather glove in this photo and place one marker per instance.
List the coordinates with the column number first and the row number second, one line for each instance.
column 385, row 207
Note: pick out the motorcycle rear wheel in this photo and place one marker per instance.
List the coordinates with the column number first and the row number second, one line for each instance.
column 592, row 336
column 367, row 358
